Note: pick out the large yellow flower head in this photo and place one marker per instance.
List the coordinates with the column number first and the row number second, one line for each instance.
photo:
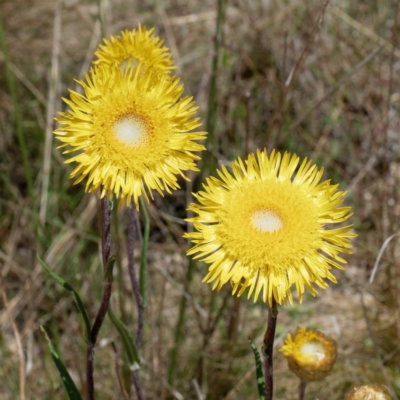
column 131, row 131
column 310, row 354
column 263, row 227
column 134, row 47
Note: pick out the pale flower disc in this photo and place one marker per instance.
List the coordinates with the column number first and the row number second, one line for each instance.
column 131, row 130
column 266, row 221
column 314, row 350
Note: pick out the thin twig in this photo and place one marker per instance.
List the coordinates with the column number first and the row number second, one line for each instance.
column 376, row 348
column 386, row 122
column 60, row 246
column 51, row 101
column 17, row 341
column 94, row 41
column 101, row 10
column 239, row 383
column 214, row 323
column 207, row 163
column 268, row 349
column 210, row 328
column 18, row 121
column 120, row 382
column 196, row 385
column 170, row 36
column 213, row 91
column 25, row 81
column 137, row 384
column 369, row 33
column 378, row 259
column 333, row 89
column 293, row 74
column 178, row 335
column 136, row 292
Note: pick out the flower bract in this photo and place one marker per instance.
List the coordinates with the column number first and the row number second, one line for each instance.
column 264, row 227
column 133, row 47
column 131, row 131
column 310, row 354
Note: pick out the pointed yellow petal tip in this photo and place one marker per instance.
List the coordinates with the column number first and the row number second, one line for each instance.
column 268, row 223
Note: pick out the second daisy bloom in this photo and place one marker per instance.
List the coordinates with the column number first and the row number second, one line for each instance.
column 263, row 227
column 134, row 47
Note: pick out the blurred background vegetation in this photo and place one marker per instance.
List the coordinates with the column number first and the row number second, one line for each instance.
column 327, row 88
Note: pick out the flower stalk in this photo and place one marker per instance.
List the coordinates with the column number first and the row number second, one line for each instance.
column 302, row 389
column 268, row 349
column 138, row 296
column 108, row 263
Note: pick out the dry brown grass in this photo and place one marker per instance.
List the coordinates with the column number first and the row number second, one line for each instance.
column 343, row 114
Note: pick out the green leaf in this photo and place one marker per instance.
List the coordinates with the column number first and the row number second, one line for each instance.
column 127, row 340
column 69, row 384
column 259, row 372
column 75, row 296
column 108, row 273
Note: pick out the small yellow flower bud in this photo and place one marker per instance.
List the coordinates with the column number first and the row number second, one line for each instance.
column 368, row 392
column 311, row 355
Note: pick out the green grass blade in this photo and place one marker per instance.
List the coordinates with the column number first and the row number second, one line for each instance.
column 143, row 257
column 108, row 273
column 212, row 95
column 69, row 384
column 127, row 340
column 179, row 335
column 259, row 372
column 208, row 163
column 75, row 296
column 17, row 113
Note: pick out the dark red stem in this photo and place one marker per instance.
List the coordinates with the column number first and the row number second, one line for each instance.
column 268, row 349
column 136, row 292
column 107, row 266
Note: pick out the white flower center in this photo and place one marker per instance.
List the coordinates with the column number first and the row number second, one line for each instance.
column 266, row 221
column 129, row 62
column 131, row 130
column 314, row 350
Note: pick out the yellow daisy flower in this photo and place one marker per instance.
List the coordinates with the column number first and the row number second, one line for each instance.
column 263, row 228
column 134, row 47
column 311, row 355
column 131, row 131
column 368, row 392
